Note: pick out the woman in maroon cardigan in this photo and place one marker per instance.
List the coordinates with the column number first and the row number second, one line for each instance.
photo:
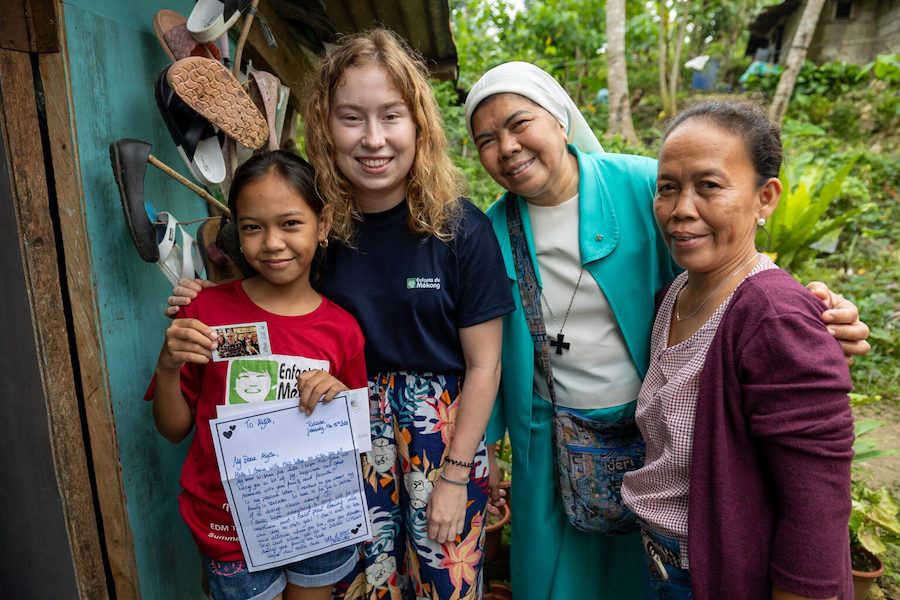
column 745, row 493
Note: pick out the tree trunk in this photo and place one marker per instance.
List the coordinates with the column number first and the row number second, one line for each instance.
column 619, row 101
column 675, row 76
column 729, row 40
column 795, row 58
column 663, row 55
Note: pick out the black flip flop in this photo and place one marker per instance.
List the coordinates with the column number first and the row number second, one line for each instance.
column 129, row 163
column 198, row 142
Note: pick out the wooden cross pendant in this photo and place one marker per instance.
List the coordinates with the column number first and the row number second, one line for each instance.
column 559, row 343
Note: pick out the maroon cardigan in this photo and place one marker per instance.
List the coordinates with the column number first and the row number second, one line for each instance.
column 773, row 434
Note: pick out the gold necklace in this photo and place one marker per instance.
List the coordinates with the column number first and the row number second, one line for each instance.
column 679, row 318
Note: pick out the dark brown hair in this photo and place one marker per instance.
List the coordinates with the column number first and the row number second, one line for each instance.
column 762, row 137
column 294, row 171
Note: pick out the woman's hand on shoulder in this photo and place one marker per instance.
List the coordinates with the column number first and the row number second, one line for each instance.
column 184, row 293
column 842, row 318
column 317, row 386
column 187, row 341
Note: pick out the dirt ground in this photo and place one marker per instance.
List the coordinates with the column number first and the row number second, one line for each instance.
column 885, row 471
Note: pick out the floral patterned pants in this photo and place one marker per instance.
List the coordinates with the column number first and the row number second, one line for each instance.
column 412, row 420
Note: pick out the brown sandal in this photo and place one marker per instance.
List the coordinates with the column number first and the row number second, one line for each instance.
column 263, row 90
column 175, row 39
column 215, row 93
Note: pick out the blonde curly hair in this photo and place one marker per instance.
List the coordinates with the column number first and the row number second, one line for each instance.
column 434, row 183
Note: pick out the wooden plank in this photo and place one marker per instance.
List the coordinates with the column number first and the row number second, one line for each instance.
column 80, row 288
column 118, row 538
column 28, row 26
column 288, row 62
column 39, row 252
column 13, row 27
column 42, row 26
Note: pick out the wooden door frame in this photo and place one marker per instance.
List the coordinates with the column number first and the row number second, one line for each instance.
column 48, row 199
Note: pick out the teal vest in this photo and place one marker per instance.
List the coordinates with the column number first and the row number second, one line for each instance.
column 622, row 250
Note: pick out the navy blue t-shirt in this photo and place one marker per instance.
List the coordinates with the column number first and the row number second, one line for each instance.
column 411, row 293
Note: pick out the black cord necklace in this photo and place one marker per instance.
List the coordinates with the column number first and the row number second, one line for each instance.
column 559, row 343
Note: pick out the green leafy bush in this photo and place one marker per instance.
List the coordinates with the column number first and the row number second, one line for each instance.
column 800, row 219
column 885, row 67
column 873, row 512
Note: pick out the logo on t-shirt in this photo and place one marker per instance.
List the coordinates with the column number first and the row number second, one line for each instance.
column 423, row 283
column 271, row 378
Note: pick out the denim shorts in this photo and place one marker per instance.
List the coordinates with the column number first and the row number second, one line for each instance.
column 664, row 579
column 233, row 581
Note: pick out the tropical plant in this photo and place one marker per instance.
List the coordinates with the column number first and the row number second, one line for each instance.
column 873, row 512
column 800, row 219
column 873, row 520
column 885, row 67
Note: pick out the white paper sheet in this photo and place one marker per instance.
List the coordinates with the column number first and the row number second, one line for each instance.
column 357, row 399
column 294, row 482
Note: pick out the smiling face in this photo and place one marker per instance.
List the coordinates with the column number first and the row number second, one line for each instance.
column 253, row 386
column 709, row 198
column 524, row 149
column 279, row 232
column 374, row 136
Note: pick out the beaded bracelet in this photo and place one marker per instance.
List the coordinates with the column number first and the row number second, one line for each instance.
column 460, row 463
column 454, row 481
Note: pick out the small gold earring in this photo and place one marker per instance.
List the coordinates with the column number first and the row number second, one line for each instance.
column 323, row 243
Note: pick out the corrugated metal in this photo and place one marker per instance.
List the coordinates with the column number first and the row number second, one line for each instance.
column 770, row 17
column 424, row 23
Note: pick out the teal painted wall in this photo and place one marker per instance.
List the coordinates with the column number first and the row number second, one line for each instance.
column 114, row 58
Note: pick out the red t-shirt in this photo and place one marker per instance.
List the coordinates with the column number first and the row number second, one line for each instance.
column 329, row 336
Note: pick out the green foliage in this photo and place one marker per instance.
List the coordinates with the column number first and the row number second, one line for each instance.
column 482, row 190
column 865, row 264
column 504, row 456
column 864, row 448
column 885, row 67
column 799, row 221
column 873, row 513
column 844, row 119
column 830, row 80
column 764, row 84
column 873, row 518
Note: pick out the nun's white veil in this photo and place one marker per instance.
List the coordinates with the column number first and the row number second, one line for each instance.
column 541, row 88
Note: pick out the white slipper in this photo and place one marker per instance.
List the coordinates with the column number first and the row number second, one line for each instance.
column 211, row 18
column 198, row 142
column 177, row 261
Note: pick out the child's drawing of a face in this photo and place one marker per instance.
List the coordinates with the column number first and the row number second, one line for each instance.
column 253, row 386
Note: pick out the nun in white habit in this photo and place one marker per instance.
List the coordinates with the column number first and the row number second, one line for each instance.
column 588, row 220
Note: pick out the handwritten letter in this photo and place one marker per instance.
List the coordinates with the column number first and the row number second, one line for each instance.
column 294, row 482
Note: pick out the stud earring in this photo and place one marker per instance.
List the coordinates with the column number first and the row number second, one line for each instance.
column 761, row 226
column 323, row 243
